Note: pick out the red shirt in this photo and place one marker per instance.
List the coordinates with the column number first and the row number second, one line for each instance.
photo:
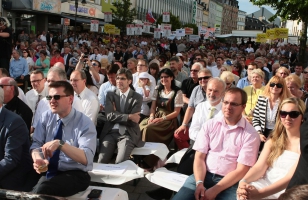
column 55, row 59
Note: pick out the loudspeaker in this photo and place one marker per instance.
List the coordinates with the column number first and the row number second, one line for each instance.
column 7, row 5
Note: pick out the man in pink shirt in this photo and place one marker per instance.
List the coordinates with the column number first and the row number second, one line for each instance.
column 226, row 147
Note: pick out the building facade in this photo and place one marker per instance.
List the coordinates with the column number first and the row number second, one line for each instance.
column 241, row 20
column 212, row 14
column 219, row 9
column 252, row 23
column 265, row 15
column 229, row 17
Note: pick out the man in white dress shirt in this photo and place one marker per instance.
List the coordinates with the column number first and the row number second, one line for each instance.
column 96, row 55
column 39, row 91
column 216, row 69
column 54, row 74
column 88, row 99
column 249, row 49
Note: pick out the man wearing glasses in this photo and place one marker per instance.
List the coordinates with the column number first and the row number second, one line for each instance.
column 39, row 91
column 226, row 147
column 67, row 139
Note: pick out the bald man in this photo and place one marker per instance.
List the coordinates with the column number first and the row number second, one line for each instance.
column 59, row 64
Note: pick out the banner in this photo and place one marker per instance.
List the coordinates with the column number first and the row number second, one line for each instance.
column 130, row 29
column 166, row 17
column 94, row 26
column 166, row 30
column 138, row 29
column 117, row 31
column 210, row 33
column 270, row 34
column 261, row 37
column 202, row 30
column 281, row 32
column 108, row 16
column 189, row 31
column 109, row 28
column 156, row 33
column 180, row 32
column 194, row 12
column 194, row 38
column 52, row 6
column 146, row 27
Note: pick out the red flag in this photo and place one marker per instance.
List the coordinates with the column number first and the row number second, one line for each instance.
column 150, row 17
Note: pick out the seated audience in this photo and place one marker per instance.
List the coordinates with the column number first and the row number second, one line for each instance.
column 269, row 177
column 42, row 63
column 232, row 140
column 121, row 130
column 67, row 139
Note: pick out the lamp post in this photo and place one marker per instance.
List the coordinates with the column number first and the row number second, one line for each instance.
column 83, row 2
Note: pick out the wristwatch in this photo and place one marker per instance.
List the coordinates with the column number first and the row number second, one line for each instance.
column 61, row 143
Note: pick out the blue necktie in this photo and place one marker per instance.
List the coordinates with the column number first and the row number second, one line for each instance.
column 54, row 160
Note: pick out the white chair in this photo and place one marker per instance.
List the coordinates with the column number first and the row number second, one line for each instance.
column 167, row 179
column 158, row 149
column 115, row 174
column 176, row 157
column 108, row 193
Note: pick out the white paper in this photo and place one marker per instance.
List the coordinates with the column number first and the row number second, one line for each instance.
column 110, row 169
column 174, row 177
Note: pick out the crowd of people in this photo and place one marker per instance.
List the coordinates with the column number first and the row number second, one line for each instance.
column 238, row 108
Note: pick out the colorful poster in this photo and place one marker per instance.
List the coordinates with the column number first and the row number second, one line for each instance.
column 166, row 17
column 270, row 34
column 261, row 37
column 109, row 28
column 210, row 33
column 117, row 31
column 130, row 29
column 52, row 6
column 166, row 28
column 189, row 31
column 281, row 32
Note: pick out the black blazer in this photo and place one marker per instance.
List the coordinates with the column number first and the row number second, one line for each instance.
column 69, row 56
column 15, row 160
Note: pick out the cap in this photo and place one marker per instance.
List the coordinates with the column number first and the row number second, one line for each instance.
column 178, row 54
column 104, row 63
column 144, row 75
column 229, row 62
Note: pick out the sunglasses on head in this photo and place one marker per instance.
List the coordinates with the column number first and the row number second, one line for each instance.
column 278, row 85
column 55, row 97
column 292, row 114
column 204, row 77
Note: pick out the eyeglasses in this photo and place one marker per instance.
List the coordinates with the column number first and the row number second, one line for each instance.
column 231, row 103
column 36, row 81
column 305, row 72
column 278, row 85
column 4, row 85
column 121, row 78
column 204, row 78
column 55, row 97
column 292, row 114
column 164, row 77
column 194, row 70
column 94, row 64
column 75, row 80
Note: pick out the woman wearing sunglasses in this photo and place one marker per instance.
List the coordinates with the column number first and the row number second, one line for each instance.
column 269, row 177
column 265, row 112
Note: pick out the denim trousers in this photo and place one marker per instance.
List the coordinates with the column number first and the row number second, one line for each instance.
column 187, row 191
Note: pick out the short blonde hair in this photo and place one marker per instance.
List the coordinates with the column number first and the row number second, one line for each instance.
column 258, row 72
column 293, row 78
column 227, row 76
column 284, row 69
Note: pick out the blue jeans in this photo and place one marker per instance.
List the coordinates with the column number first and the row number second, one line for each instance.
column 187, row 191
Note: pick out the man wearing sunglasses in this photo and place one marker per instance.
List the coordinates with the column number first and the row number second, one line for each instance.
column 67, row 139
column 226, row 147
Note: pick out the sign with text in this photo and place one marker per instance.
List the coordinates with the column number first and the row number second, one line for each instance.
column 281, row 32
column 166, row 28
column 189, row 31
column 166, row 17
column 261, row 37
column 157, row 33
column 117, row 31
column 194, row 12
column 109, row 28
column 52, row 6
column 210, row 33
column 130, row 29
column 146, row 27
column 108, row 17
column 194, row 38
column 202, row 30
column 180, row 32
column 94, row 25
column 270, row 34
column 138, row 29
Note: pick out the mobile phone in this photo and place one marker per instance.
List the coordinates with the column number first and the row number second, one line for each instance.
column 94, row 194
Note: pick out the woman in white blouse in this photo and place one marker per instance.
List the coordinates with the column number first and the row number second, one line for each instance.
column 265, row 112
column 26, row 55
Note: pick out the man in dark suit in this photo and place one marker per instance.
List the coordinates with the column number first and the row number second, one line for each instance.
column 13, row 103
column 67, row 56
column 121, row 131
column 15, row 160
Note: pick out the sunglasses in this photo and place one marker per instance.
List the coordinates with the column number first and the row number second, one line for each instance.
column 292, row 114
column 55, row 97
column 204, row 77
column 194, row 70
column 305, row 72
column 278, row 85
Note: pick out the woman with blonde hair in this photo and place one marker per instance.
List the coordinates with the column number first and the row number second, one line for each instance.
column 228, row 78
column 265, row 112
column 282, row 72
column 269, row 177
column 294, row 85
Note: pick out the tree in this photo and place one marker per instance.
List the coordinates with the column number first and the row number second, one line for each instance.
column 123, row 15
column 290, row 10
column 194, row 26
column 174, row 21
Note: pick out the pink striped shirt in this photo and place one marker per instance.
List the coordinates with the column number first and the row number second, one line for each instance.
column 226, row 145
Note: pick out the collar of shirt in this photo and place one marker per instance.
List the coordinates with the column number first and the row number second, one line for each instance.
column 217, row 107
column 82, row 94
column 241, row 123
column 43, row 93
column 68, row 118
column 19, row 58
column 125, row 93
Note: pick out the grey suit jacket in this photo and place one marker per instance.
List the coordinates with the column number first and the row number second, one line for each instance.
column 132, row 105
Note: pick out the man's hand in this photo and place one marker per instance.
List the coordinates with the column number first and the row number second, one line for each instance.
column 262, row 138
column 134, row 117
column 38, row 164
column 200, row 191
column 210, row 194
column 180, row 129
column 241, row 191
column 49, row 147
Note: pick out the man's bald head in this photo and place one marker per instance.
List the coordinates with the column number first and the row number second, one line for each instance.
column 10, row 88
column 59, row 64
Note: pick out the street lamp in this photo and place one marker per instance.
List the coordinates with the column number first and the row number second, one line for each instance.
column 83, row 2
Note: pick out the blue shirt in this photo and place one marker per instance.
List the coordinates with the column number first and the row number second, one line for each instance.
column 243, row 82
column 19, row 67
column 197, row 96
column 106, row 87
column 78, row 130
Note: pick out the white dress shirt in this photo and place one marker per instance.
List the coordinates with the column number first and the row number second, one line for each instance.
column 97, row 57
column 32, row 97
column 90, row 104
column 44, row 106
column 250, row 50
column 201, row 116
column 100, row 82
column 215, row 71
column 22, row 96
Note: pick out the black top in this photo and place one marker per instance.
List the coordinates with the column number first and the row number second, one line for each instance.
column 188, row 85
column 117, row 55
column 17, row 106
column 6, row 44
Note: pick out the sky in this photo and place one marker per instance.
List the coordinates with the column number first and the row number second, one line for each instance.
column 247, row 6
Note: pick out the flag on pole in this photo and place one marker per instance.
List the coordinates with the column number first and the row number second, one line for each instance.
column 150, row 17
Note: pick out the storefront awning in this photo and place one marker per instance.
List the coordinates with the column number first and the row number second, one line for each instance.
column 81, row 19
column 21, row 5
